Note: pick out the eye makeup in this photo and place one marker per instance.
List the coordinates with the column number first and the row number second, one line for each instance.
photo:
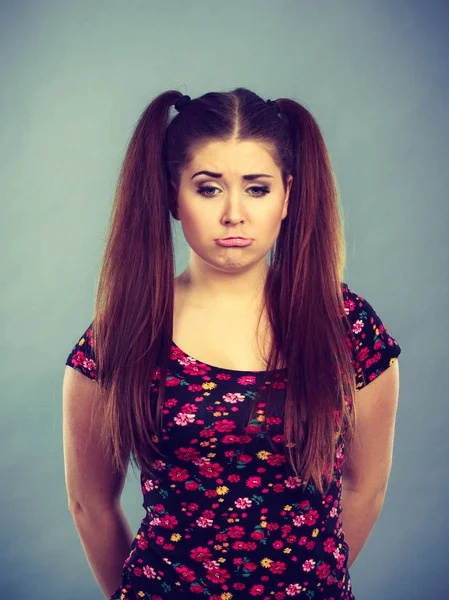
column 262, row 189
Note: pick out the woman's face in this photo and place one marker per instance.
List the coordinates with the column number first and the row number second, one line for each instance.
column 222, row 203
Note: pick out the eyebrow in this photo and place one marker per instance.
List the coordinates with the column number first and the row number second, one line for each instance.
column 250, row 177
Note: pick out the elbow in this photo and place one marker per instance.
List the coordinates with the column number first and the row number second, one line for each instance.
column 375, row 495
column 75, row 508
column 80, row 511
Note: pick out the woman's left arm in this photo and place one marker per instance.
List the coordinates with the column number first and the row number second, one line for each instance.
column 367, row 468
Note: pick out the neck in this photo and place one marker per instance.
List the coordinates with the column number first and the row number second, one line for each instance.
column 223, row 291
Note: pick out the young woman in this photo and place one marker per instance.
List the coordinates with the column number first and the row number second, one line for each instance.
column 257, row 399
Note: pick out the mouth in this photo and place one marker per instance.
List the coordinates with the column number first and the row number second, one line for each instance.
column 234, row 241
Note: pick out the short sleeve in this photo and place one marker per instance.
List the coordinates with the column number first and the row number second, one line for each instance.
column 82, row 356
column 373, row 347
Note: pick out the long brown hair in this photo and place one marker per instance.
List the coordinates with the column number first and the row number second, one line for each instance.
column 133, row 319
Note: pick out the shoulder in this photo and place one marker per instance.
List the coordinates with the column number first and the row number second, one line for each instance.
column 82, row 355
column 373, row 347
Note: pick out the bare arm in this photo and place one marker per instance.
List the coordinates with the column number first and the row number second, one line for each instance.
column 367, row 469
column 106, row 539
column 93, row 489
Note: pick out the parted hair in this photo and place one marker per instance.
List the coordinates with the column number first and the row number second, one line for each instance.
column 302, row 291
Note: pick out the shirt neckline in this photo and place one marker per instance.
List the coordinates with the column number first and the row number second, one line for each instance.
column 214, row 367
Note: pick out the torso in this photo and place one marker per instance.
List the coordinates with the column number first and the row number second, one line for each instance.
column 226, row 338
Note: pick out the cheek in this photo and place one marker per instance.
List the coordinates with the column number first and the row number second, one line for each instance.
column 198, row 223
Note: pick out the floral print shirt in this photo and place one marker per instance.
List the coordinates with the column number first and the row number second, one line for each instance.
column 225, row 524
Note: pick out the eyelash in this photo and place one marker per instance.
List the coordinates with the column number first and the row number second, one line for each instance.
column 262, row 188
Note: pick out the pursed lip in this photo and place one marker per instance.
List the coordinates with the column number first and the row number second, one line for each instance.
column 235, row 237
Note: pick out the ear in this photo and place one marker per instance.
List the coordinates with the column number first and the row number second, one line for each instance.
column 287, row 196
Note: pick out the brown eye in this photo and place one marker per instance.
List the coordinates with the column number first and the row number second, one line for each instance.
column 202, row 190
column 205, row 188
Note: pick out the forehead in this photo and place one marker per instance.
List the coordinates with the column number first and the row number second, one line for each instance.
column 232, row 154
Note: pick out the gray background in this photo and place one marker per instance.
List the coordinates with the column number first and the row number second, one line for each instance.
column 75, row 77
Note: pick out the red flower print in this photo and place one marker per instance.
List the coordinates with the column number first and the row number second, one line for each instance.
column 178, row 474
column 217, row 575
column 195, row 387
column 310, row 545
column 311, row 517
column 273, row 420
column 236, row 531
column 168, row 522
column 246, row 458
column 278, row 385
column 223, row 376
column 329, row 545
column 189, row 408
column 186, row 453
column 278, row 567
column 276, row 460
column 171, row 402
column 230, row 439
column 195, row 368
column 142, row 544
column 207, row 433
column 363, row 354
column 256, row 590
column 185, row 574
column 210, row 470
column 220, row 506
column 292, row 483
column 253, row 482
column 246, row 380
column 225, row 426
column 191, row 486
column 323, row 571
column 79, row 359
column 200, row 554
column 253, row 429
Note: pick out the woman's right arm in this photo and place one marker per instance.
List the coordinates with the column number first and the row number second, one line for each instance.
column 93, row 489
